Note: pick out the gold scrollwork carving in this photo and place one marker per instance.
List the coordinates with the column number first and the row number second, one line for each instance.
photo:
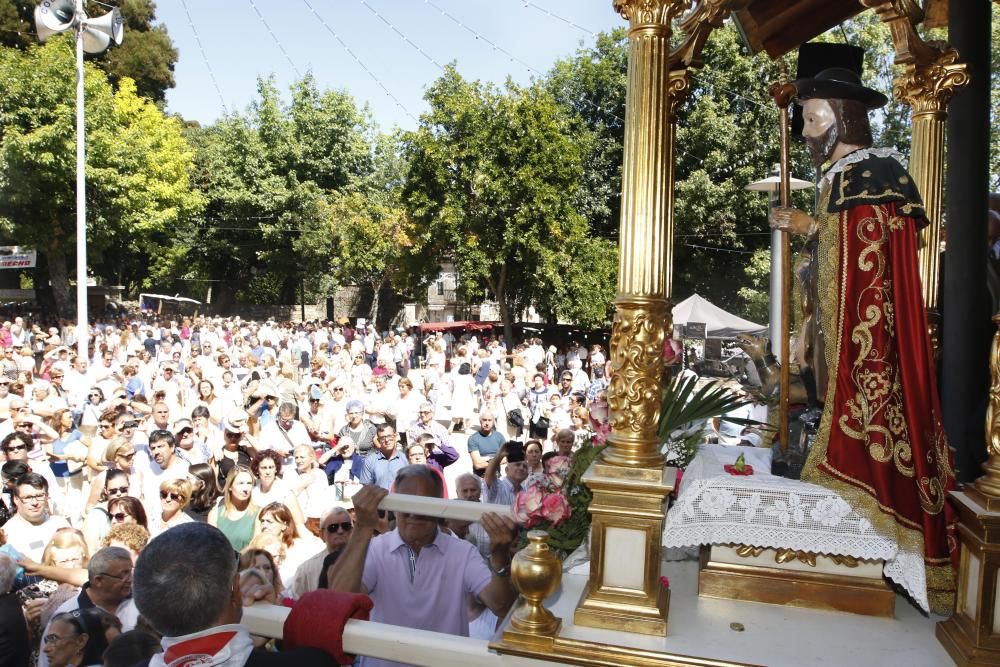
column 636, row 353
column 747, row 550
column 782, row 556
column 788, row 555
column 697, row 24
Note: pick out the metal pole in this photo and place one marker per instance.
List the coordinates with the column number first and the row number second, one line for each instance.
column 783, row 92
column 777, row 276
column 82, row 327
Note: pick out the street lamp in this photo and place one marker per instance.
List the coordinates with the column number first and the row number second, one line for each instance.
column 771, row 185
column 93, row 35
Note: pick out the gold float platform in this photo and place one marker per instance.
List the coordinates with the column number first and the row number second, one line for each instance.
column 796, row 579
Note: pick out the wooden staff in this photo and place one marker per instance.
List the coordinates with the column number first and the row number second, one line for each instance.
column 783, row 92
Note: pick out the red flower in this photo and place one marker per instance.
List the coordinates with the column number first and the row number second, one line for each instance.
column 673, row 351
column 664, row 582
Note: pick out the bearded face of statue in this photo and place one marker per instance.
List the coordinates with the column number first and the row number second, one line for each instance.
column 820, row 130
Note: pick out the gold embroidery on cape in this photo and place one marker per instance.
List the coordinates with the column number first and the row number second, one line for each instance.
column 878, row 396
column 832, row 269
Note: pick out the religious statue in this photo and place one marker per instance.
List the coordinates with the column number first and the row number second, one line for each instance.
column 880, row 442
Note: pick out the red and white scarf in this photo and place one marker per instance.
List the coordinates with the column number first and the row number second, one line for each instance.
column 222, row 646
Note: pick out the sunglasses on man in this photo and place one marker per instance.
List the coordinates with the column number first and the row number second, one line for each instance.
column 337, row 527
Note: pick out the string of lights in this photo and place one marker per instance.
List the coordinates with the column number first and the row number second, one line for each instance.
column 717, row 249
column 402, row 36
column 204, row 57
column 276, row 40
column 551, row 14
column 358, row 61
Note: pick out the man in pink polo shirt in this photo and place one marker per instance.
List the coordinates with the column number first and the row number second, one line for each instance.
column 418, row 576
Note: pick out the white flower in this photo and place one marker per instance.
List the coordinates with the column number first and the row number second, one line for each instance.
column 716, row 502
column 749, row 507
column 785, row 511
column 830, row 511
column 779, row 511
column 796, row 508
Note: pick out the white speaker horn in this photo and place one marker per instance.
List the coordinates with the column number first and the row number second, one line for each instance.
column 94, row 41
column 111, row 24
column 53, row 16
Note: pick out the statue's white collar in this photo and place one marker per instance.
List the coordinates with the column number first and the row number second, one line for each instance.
column 858, row 156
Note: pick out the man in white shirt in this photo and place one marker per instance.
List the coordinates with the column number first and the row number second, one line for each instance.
column 283, row 435
column 335, row 529
column 32, row 527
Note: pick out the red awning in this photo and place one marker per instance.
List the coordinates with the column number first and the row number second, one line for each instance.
column 452, row 326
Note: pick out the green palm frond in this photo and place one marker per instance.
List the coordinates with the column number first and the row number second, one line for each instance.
column 683, row 403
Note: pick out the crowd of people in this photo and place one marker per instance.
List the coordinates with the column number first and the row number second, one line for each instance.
column 282, row 438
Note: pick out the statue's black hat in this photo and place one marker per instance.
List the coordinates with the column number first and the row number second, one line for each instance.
column 838, row 83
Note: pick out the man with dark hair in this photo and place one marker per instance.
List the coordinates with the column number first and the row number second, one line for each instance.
column 187, row 586
column 165, row 464
column 382, row 464
column 32, row 527
column 880, row 442
column 417, row 575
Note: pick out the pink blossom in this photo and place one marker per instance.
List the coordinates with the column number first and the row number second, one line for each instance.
column 664, row 582
column 673, row 351
column 555, row 508
column 556, row 470
column 528, row 504
column 601, row 433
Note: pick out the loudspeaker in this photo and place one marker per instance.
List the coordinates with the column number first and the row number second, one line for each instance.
column 111, row 24
column 814, row 57
column 95, row 41
column 53, row 16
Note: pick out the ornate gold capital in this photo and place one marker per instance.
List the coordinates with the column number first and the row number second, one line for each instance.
column 651, row 12
column 928, row 84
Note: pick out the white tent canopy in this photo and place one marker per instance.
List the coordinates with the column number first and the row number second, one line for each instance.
column 718, row 323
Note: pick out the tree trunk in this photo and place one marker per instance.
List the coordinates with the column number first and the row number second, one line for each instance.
column 59, row 276
column 500, row 292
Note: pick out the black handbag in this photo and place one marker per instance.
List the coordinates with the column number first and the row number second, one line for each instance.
column 515, row 416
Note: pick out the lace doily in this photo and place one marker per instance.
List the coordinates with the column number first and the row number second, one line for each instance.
column 764, row 510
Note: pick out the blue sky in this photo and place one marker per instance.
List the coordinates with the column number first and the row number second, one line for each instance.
column 238, row 46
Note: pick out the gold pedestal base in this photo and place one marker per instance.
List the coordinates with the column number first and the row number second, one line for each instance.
column 961, row 648
column 972, row 634
column 624, row 591
column 635, row 617
column 813, row 590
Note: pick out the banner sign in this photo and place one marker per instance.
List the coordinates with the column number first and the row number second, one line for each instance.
column 695, row 330
column 16, row 257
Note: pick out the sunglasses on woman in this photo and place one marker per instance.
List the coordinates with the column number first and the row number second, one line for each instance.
column 119, row 516
column 117, row 491
column 176, row 497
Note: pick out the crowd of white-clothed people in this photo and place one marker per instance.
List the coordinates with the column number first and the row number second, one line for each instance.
column 262, row 429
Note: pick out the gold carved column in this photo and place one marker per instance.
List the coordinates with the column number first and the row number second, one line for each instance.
column 629, row 482
column 931, row 74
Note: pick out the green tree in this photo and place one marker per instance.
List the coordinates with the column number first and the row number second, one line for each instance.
column 146, row 55
column 494, row 178
column 137, row 165
column 268, row 176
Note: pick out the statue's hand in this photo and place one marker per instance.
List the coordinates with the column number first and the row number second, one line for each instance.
column 792, row 220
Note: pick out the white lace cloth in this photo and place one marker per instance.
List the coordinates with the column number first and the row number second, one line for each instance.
column 764, row 510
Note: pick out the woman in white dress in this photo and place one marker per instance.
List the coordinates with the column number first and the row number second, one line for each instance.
column 463, row 397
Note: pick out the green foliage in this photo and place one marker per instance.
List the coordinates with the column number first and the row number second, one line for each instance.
column 494, row 178
column 683, row 402
column 276, row 179
column 146, row 55
column 137, row 167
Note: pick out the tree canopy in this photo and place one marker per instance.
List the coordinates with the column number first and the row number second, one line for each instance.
column 138, row 166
